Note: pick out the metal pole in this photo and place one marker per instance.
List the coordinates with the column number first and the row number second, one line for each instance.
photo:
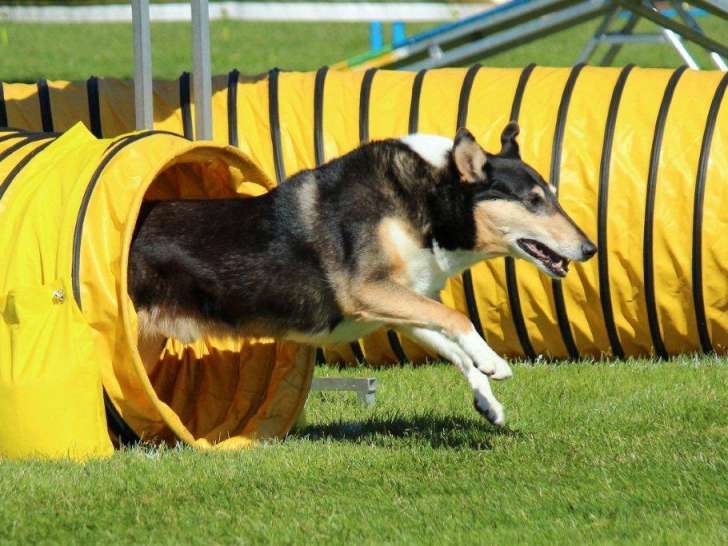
column 676, row 42
column 598, row 35
column 201, row 74
column 692, row 23
column 143, row 97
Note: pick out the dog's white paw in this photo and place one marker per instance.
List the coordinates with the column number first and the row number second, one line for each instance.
column 492, row 410
column 484, row 358
column 502, row 370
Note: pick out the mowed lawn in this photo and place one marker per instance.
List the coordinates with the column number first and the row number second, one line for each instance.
column 595, row 453
column 628, row 453
column 76, row 51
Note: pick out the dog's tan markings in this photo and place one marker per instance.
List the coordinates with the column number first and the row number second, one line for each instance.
column 469, row 157
column 169, row 323
column 499, row 223
column 391, row 249
column 400, row 247
column 493, row 221
column 393, row 304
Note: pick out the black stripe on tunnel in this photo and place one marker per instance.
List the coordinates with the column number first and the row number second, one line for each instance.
column 364, row 97
column 3, row 111
column 697, row 251
column 364, row 94
column 23, row 162
column 275, row 129
column 320, row 156
column 414, row 114
column 94, row 107
column 514, row 298
column 605, row 293
column 184, row 105
column 232, row 107
column 557, row 288
column 647, row 248
column 44, row 100
column 462, row 120
column 119, row 427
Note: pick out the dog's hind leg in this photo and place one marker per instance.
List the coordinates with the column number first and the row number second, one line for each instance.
column 150, row 340
column 485, row 402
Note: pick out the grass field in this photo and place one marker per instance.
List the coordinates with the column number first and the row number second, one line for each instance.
column 29, row 52
column 630, row 453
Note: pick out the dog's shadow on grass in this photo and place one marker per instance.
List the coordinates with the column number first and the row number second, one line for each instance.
column 437, row 431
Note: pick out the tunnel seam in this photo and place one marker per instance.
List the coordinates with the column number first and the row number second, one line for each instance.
column 605, row 292
column 647, row 249
column 320, row 157
column 275, row 130
column 44, row 100
column 414, row 113
column 557, row 288
column 467, row 276
column 232, row 106
column 697, row 250
column 23, row 162
column 184, row 105
column 364, row 98
column 3, row 110
column 94, row 107
column 514, row 298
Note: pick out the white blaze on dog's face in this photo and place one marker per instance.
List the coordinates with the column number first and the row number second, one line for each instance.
column 516, row 211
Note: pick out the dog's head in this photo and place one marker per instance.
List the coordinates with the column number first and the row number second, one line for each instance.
column 515, row 209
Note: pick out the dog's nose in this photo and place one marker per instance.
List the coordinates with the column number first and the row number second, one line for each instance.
column 588, row 249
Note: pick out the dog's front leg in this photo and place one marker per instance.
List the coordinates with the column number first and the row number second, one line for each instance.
column 388, row 302
column 441, row 329
column 485, row 401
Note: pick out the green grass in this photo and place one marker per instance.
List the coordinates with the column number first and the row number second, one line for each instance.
column 32, row 51
column 628, row 453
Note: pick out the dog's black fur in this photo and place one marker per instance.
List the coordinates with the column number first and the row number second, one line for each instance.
column 263, row 265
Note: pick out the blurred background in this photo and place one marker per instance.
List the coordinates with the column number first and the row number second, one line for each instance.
column 76, row 50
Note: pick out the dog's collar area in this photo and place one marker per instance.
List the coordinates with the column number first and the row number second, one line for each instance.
column 552, row 261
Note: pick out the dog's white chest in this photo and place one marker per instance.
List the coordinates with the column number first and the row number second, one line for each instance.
column 426, row 269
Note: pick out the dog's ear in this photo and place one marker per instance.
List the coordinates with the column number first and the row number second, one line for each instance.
column 509, row 146
column 469, row 157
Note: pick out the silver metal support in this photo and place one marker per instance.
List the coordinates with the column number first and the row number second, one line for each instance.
column 143, row 93
column 434, row 51
column 599, row 33
column 647, row 9
column 364, row 387
column 519, row 34
column 675, row 41
column 689, row 20
column 201, row 73
column 614, row 49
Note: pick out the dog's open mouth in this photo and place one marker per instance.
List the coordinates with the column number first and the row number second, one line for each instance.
column 553, row 262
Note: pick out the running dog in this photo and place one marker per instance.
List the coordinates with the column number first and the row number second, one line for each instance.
column 365, row 241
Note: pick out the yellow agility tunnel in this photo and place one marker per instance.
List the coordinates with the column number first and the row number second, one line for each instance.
column 639, row 156
column 68, row 208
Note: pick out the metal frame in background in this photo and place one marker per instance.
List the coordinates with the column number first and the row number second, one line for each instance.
column 538, row 18
column 626, row 35
column 201, row 71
